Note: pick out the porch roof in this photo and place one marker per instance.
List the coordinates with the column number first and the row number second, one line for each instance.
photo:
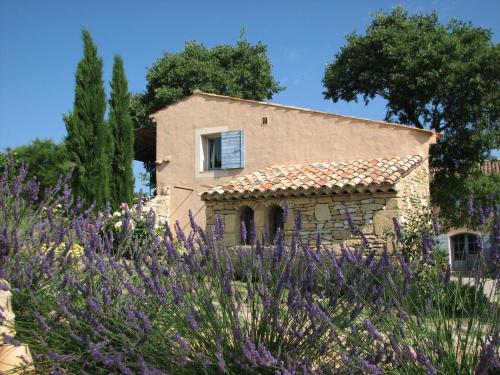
column 339, row 177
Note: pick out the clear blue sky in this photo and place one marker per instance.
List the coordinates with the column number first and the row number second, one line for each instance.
column 40, row 46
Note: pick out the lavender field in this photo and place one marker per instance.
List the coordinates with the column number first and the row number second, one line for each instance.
column 108, row 292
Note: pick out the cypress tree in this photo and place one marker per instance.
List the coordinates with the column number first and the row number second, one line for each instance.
column 87, row 132
column 122, row 129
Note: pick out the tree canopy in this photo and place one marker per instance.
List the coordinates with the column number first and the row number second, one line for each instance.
column 435, row 76
column 242, row 70
column 46, row 160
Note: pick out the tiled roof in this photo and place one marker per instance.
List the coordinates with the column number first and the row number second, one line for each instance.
column 491, row 166
column 318, row 178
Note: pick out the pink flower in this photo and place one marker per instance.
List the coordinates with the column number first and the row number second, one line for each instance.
column 124, row 206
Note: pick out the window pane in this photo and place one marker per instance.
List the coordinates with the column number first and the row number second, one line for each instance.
column 214, row 153
column 458, row 244
column 472, row 243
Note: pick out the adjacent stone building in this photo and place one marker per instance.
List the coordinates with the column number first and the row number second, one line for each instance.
column 372, row 192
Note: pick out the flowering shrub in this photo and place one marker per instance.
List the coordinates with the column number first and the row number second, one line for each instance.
column 280, row 309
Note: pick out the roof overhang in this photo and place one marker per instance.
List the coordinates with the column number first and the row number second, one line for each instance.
column 300, row 192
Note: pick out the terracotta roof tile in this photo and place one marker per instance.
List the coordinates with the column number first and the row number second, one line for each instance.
column 330, row 177
column 491, row 166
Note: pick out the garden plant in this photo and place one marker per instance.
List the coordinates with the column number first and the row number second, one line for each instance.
column 97, row 292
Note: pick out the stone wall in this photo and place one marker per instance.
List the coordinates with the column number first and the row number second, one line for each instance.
column 373, row 212
column 160, row 204
column 413, row 190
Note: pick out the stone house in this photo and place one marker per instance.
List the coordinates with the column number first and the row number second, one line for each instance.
column 247, row 160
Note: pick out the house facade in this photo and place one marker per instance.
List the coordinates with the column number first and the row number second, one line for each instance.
column 207, row 143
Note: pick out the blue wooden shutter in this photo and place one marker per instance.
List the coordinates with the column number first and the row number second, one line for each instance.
column 233, row 149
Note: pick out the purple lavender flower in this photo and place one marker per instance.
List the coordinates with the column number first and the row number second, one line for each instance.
column 243, row 232
column 424, row 361
column 353, row 227
column 407, row 274
column 10, row 339
column 221, row 364
column 41, row 321
column 63, row 357
column 372, row 330
column 339, row 276
column 397, row 229
column 191, row 321
column 436, row 226
column 489, row 360
column 369, row 368
column 481, row 214
column 179, row 232
column 219, row 227
column 146, row 323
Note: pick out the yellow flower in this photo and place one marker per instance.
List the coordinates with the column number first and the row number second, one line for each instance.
column 76, row 250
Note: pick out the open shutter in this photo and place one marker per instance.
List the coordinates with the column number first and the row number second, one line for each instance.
column 233, row 149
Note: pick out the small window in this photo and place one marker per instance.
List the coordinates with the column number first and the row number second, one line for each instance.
column 214, row 153
column 464, row 244
column 224, row 150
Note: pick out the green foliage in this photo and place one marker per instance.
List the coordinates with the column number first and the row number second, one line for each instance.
column 485, row 188
column 46, row 160
column 4, row 158
column 435, row 76
column 88, row 134
column 120, row 122
column 417, row 225
column 242, row 70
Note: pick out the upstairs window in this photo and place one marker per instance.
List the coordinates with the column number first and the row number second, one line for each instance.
column 225, row 150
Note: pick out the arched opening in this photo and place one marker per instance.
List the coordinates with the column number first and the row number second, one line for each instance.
column 276, row 221
column 246, row 217
column 464, row 245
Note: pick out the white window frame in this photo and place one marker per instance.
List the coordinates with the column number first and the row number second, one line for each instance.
column 201, row 152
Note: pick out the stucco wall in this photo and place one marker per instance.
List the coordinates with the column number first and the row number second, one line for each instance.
column 372, row 212
column 290, row 137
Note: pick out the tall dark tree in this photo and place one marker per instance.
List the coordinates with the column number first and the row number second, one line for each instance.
column 88, row 134
column 122, row 130
column 440, row 77
column 242, row 70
